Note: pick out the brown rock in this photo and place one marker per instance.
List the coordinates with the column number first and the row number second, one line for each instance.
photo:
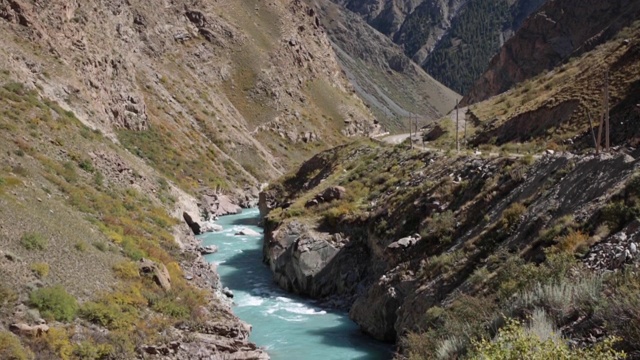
column 23, row 329
column 158, row 271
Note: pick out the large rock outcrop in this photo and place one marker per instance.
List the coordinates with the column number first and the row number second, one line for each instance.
column 309, row 262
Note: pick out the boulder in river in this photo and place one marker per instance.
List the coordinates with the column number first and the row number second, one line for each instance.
column 210, row 227
column 247, row 232
column 210, row 249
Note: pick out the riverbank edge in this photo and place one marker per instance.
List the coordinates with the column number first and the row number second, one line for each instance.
column 221, row 334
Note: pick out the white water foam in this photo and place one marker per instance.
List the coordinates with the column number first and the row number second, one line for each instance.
column 250, row 301
column 303, row 310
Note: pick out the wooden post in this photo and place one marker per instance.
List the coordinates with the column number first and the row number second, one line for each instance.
column 457, row 123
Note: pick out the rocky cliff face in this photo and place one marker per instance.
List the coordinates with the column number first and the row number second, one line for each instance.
column 431, row 236
column 452, row 40
column 555, row 33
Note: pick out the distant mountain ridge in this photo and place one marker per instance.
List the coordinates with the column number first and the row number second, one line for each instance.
column 452, row 40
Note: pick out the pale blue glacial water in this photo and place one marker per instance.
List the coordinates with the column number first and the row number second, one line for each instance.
column 287, row 326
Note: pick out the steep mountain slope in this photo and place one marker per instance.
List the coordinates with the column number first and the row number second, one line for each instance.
column 394, row 88
column 198, row 77
column 557, row 32
column 114, row 117
column 452, row 40
column 442, row 251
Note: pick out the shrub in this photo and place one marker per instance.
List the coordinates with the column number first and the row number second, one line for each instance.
column 171, row 307
column 54, row 302
column 110, row 315
column 98, row 179
column 441, row 225
column 80, row 246
column 7, row 295
column 86, row 165
column 512, row 215
column 33, row 241
column 572, row 241
column 57, row 341
column 562, row 299
column 617, row 214
column 515, row 342
column 100, row 246
column 126, row 270
column 11, row 349
column 92, row 351
column 69, row 172
column 40, row 269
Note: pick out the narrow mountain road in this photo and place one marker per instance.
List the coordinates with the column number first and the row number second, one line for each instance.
column 395, row 139
column 399, row 138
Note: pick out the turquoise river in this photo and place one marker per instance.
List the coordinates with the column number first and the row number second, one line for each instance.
column 287, row 326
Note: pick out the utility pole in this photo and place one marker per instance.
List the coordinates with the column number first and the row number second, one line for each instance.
column 466, row 118
column 457, row 129
column 410, row 134
column 593, row 134
column 606, row 110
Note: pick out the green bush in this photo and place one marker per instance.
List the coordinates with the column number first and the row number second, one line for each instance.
column 11, row 349
column 54, row 302
column 110, row 315
column 617, row 214
column 514, row 342
column 91, row 351
column 169, row 306
column 442, row 225
column 33, row 241
column 80, row 246
column 512, row 215
column 40, row 269
column 86, row 165
column 7, row 295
